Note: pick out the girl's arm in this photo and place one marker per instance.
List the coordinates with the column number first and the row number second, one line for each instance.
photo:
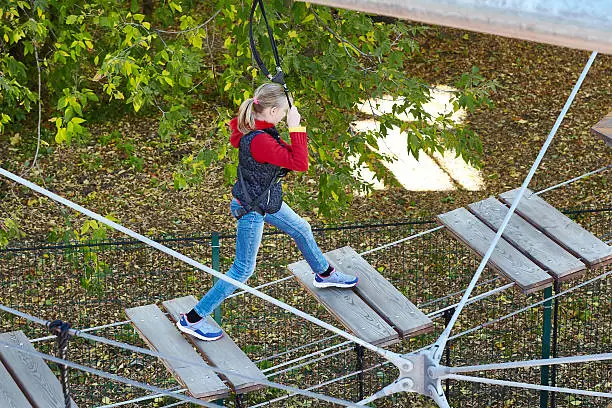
column 265, row 149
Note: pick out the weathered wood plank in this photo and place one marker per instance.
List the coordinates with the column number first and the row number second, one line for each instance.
column 381, row 295
column 560, row 228
column 529, row 240
column 10, row 394
column 348, row 307
column 222, row 353
column 31, row 373
column 506, row 259
column 603, row 129
column 164, row 337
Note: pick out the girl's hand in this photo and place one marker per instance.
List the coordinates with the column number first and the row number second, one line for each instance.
column 293, row 117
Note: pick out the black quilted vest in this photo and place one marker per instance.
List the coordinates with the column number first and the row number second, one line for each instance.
column 258, row 176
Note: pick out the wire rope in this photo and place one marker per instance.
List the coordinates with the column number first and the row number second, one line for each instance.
column 603, row 275
column 528, row 386
column 420, row 234
column 364, row 253
column 295, row 360
column 442, row 340
column 526, row 363
column 609, row 166
column 89, row 329
column 103, row 374
column 379, row 365
column 144, row 398
column 162, row 356
column 433, row 315
column 385, row 353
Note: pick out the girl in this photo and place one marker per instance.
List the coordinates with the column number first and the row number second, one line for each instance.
column 264, row 158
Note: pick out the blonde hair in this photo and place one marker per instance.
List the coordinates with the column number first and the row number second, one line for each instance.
column 268, row 96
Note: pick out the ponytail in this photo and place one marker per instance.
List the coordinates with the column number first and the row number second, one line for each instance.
column 246, row 116
column 265, row 96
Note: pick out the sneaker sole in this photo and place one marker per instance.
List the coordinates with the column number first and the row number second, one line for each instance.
column 196, row 335
column 333, row 285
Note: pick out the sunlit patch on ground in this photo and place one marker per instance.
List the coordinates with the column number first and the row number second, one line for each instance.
column 428, row 173
column 423, row 174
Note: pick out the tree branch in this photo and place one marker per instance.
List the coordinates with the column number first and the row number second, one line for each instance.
column 39, row 109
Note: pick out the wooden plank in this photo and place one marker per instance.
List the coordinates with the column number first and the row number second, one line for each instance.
column 560, row 228
column 164, row 337
column 529, row 240
column 31, row 373
column 348, row 308
column 10, row 394
column 381, row 295
column 222, row 353
column 505, row 259
column 603, row 129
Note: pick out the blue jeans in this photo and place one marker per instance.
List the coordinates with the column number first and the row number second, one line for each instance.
column 248, row 238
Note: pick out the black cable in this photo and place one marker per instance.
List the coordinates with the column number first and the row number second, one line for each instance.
column 279, row 77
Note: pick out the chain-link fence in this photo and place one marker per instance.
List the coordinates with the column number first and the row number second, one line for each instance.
column 91, row 284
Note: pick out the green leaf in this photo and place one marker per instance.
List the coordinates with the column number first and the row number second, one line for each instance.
column 77, row 120
column 308, row 18
column 71, row 19
column 137, row 102
column 60, row 136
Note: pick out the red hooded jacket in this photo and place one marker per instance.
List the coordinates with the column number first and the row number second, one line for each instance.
column 265, row 149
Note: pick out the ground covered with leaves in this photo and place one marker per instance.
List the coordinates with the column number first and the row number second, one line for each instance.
column 126, row 171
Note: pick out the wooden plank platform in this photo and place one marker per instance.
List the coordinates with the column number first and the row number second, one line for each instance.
column 505, row 259
column 10, row 394
column 560, row 228
column 164, row 337
column 35, row 379
column 603, row 129
column 381, row 295
column 222, row 353
column 529, row 240
column 346, row 305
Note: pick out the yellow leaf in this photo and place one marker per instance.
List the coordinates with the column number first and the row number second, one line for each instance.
column 308, row 18
column 293, row 34
column 197, row 42
column 15, row 139
column 227, row 86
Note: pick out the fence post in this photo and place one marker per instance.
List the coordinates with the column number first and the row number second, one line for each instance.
column 359, row 350
column 546, row 331
column 448, row 314
column 216, row 264
column 555, row 340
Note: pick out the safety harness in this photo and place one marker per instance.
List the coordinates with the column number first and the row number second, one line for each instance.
column 279, row 78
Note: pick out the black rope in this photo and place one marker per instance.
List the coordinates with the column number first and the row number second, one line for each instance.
column 62, row 331
column 279, row 76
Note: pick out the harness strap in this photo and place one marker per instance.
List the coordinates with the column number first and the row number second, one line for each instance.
column 279, row 77
column 251, row 205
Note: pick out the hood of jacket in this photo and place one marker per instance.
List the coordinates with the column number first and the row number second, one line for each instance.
column 237, row 134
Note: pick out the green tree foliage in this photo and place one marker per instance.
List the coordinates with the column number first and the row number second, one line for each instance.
column 9, row 230
column 160, row 58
